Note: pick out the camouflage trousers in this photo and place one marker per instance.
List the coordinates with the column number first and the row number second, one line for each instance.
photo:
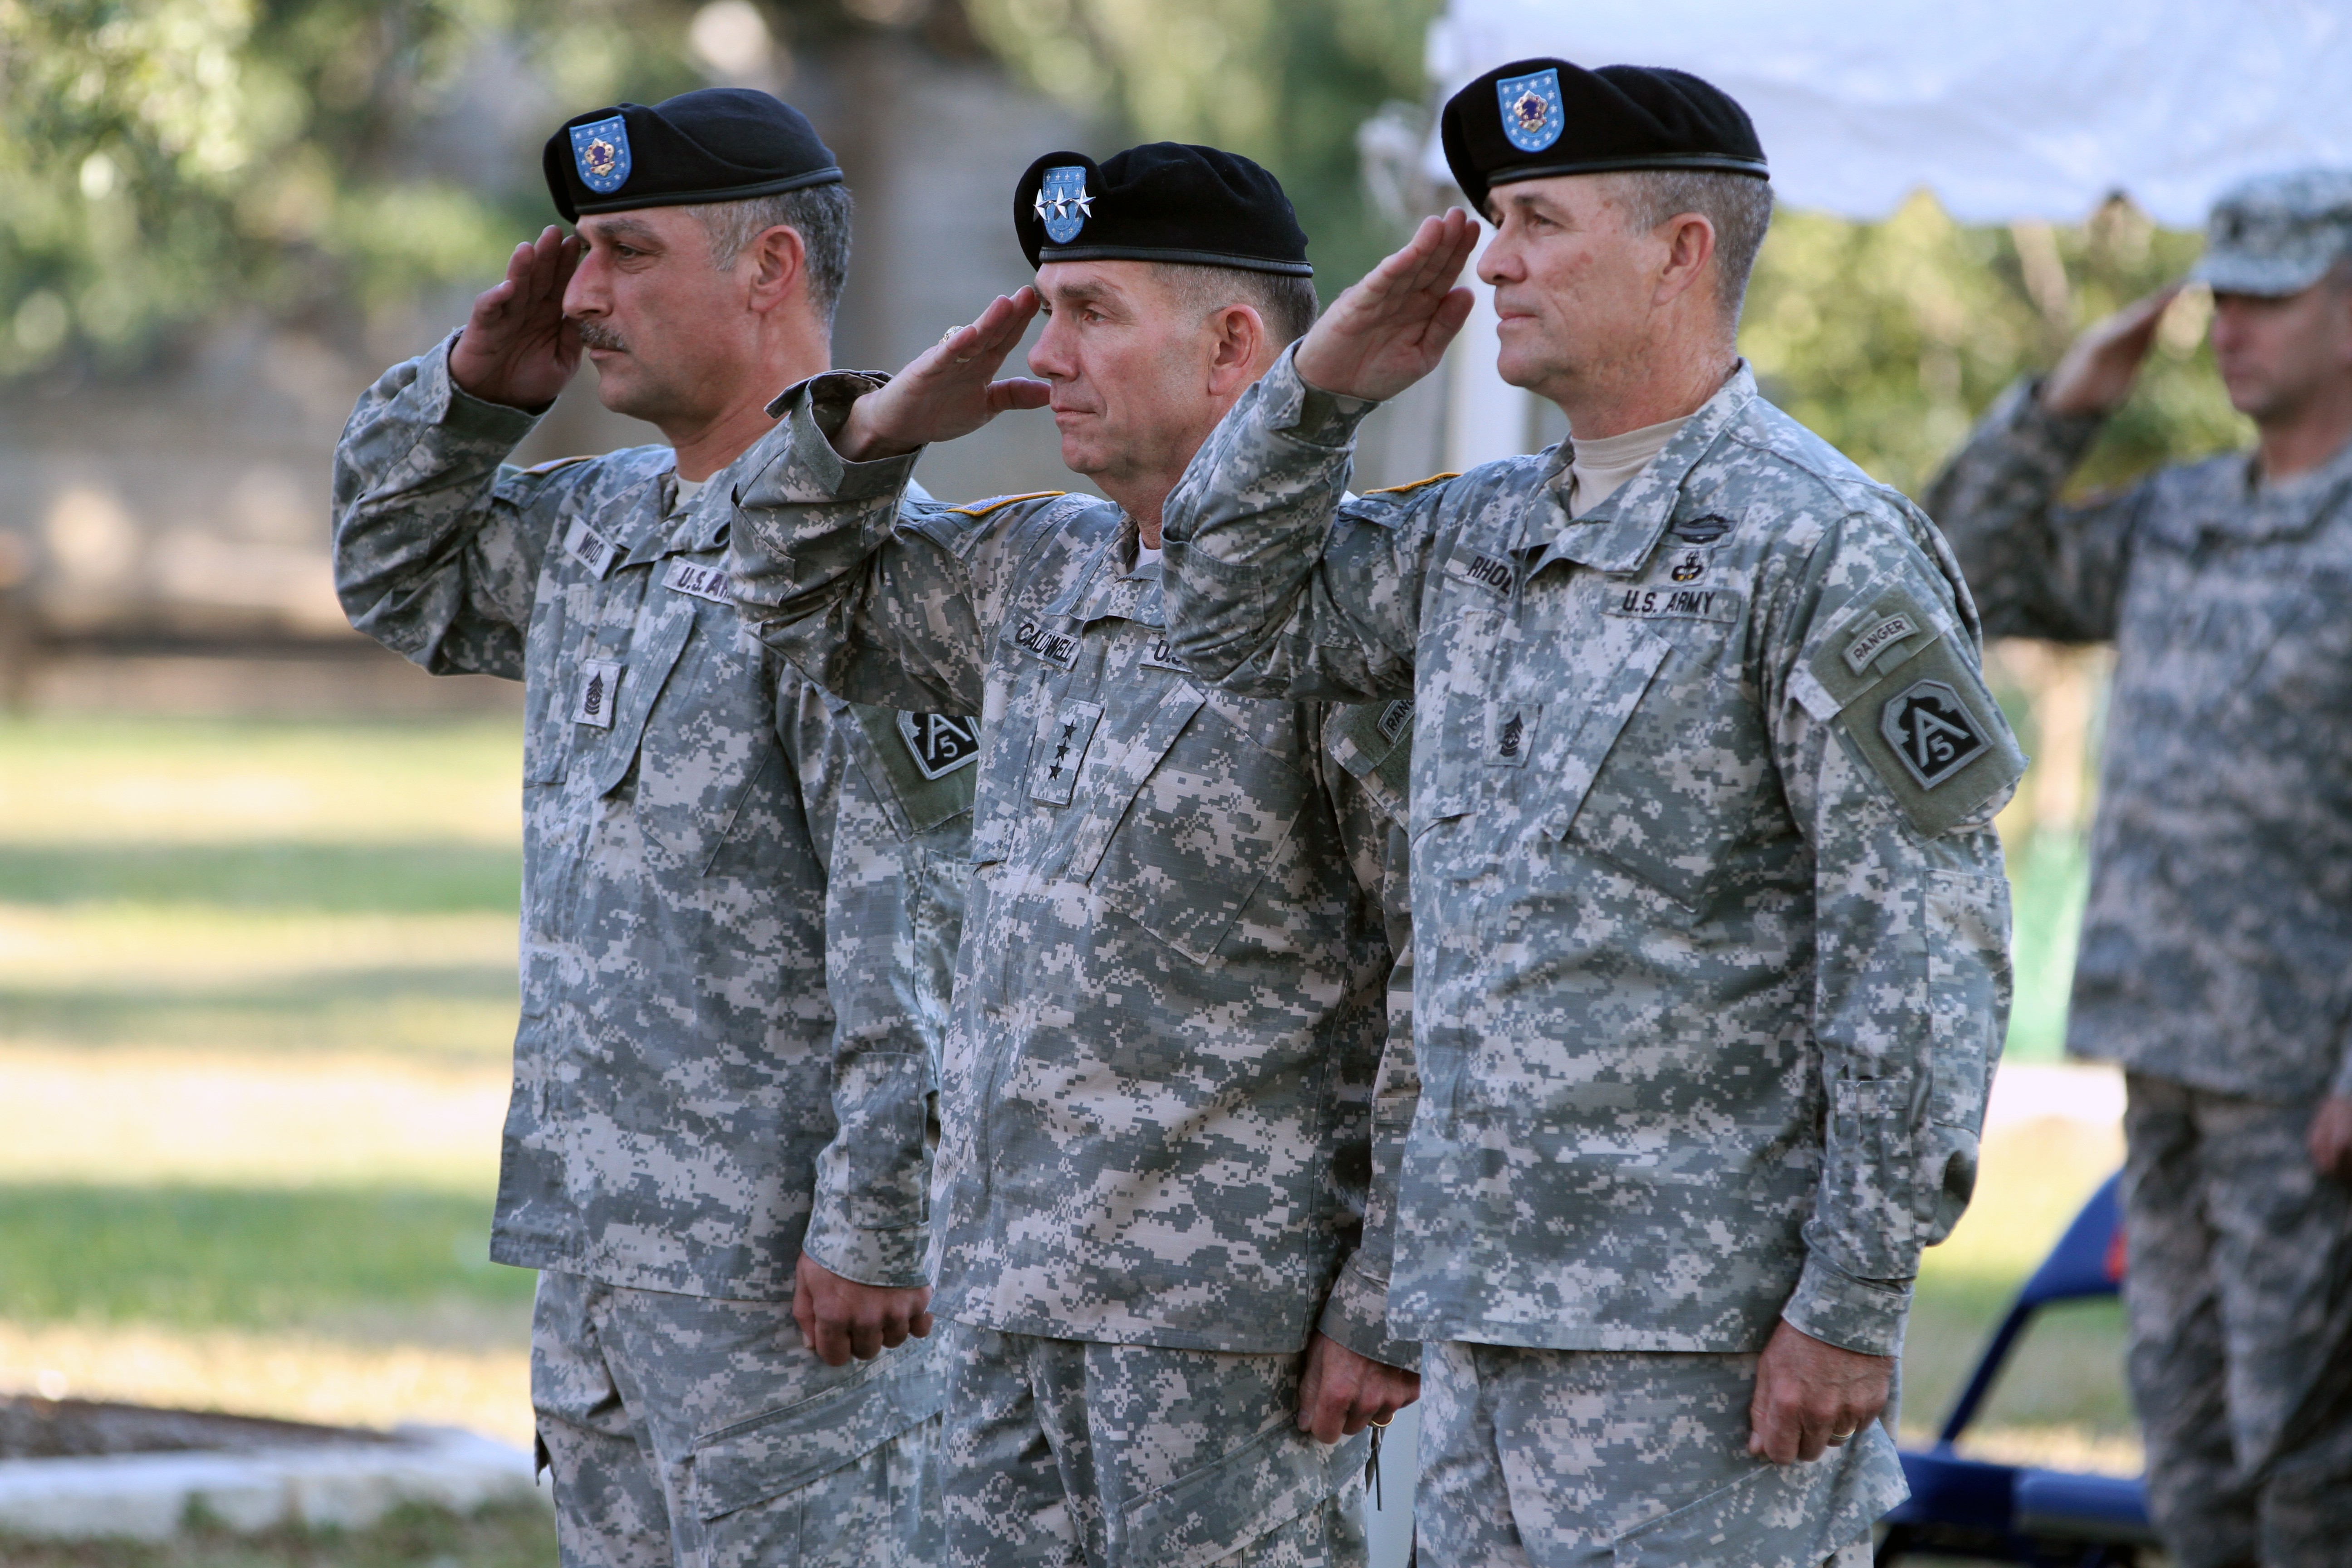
column 1068, row 1454
column 688, row 1432
column 2239, row 1292
column 1537, row 1458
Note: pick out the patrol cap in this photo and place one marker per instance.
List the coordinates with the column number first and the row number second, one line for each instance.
column 1164, row 201
column 2278, row 234
column 715, row 144
column 1533, row 119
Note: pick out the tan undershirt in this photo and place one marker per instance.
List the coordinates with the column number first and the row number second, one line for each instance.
column 1604, row 465
column 687, row 490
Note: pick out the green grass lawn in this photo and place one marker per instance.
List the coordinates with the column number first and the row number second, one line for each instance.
column 256, row 990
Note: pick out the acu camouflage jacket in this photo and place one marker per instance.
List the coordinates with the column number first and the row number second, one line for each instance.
column 2217, row 946
column 740, row 897
column 1169, row 1007
column 1710, row 957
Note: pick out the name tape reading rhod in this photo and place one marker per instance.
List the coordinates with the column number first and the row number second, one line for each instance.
column 1492, row 572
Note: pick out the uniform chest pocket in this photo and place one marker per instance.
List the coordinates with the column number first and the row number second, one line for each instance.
column 1673, row 778
column 613, row 693
column 1183, row 823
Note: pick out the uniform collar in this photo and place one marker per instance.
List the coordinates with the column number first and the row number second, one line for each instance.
column 1109, row 585
column 701, row 526
column 1622, row 531
column 2284, row 511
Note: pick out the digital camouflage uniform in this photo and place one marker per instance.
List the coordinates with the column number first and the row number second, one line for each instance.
column 741, row 898
column 2216, row 955
column 1156, row 1100
column 1710, row 958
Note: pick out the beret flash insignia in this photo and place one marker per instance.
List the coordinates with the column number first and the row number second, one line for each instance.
column 602, row 153
column 1532, row 115
column 1063, row 204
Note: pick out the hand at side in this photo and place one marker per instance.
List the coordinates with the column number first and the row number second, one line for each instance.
column 1811, row 1395
column 840, row 1318
column 1343, row 1393
column 948, row 390
column 517, row 348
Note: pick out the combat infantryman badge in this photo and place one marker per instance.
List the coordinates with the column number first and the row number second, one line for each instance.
column 602, row 153
column 940, row 743
column 1062, row 204
column 1532, row 116
column 1933, row 732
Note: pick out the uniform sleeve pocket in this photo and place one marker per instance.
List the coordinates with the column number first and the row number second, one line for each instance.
column 1968, row 997
column 1867, row 1178
column 1216, row 1510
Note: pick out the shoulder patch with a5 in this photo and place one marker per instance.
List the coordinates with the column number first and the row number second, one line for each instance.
column 927, row 761
column 1932, row 732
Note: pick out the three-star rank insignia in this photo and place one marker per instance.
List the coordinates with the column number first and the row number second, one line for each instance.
column 940, row 744
column 600, row 152
column 1932, row 732
column 1532, row 115
column 1063, row 204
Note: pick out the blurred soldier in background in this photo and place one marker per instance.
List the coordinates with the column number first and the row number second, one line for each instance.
column 2216, row 958
column 1710, row 932
column 741, row 895
column 1156, row 1105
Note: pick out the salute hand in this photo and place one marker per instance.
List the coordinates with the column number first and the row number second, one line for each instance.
column 948, row 391
column 517, row 349
column 2097, row 373
column 1390, row 329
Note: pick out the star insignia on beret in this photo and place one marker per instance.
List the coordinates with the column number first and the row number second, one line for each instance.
column 1064, row 203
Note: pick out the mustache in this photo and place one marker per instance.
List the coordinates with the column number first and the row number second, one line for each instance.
column 596, row 335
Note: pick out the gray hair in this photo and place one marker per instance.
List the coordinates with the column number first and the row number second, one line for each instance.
column 1286, row 304
column 819, row 213
column 1739, row 205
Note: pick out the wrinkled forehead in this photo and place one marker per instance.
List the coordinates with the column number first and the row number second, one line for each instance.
column 1127, row 287
column 667, row 227
column 1585, row 201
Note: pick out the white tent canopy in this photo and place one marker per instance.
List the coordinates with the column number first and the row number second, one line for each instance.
column 2005, row 108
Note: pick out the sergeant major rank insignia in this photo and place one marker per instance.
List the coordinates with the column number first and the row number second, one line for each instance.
column 600, row 152
column 940, row 743
column 1532, row 116
column 1933, row 732
column 1062, row 204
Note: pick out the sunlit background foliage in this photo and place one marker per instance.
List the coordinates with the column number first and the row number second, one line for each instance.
column 165, row 162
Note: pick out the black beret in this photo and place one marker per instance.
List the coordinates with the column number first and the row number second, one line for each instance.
column 1531, row 119
column 1164, row 201
column 719, row 144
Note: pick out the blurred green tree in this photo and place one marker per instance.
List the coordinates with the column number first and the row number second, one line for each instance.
column 1284, row 81
column 1889, row 338
column 164, row 162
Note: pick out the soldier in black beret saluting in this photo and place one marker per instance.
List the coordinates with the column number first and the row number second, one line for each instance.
column 1156, row 1150
column 740, row 894
column 1711, row 930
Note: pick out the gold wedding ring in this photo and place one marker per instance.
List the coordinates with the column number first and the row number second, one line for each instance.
column 1383, row 1425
